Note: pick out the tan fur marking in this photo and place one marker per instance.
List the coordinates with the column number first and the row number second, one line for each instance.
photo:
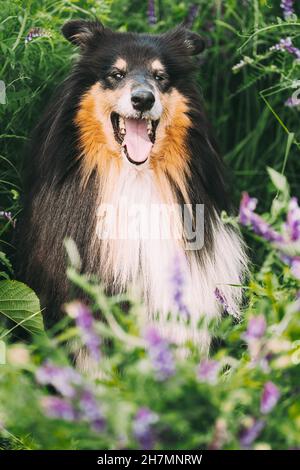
column 169, row 154
column 120, row 64
column 157, row 66
column 96, row 139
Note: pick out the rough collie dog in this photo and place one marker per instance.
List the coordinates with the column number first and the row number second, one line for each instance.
column 124, row 163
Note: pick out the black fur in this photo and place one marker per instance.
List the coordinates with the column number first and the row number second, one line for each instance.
column 54, row 206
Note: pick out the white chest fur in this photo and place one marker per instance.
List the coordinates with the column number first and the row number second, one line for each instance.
column 139, row 229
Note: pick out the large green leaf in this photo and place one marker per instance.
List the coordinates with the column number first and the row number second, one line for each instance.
column 21, row 305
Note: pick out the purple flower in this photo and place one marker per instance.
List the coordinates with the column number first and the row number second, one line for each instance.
column 85, row 323
column 251, row 433
column 192, row 15
column 63, row 379
column 292, row 227
column 7, row 215
column 270, row 397
column 256, row 328
column 160, row 354
column 292, row 224
column 152, row 20
column 78, row 402
column 286, row 44
column 292, row 102
column 178, row 284
column 208, row 371
column 143, row 428
column 294, row 263
column 247, row 216
column 36, row 33
column 288, row 8
column 222, row 299
column 90, row 410
column 60, row 408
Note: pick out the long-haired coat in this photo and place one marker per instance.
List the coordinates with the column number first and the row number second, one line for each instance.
column 127, row 130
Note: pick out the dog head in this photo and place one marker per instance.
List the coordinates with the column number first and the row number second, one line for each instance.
column 134, row 85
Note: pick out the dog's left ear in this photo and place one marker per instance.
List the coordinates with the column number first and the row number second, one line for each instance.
column 194, row 42
column 80, row 32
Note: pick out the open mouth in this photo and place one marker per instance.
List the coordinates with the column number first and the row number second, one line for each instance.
column 136, row 137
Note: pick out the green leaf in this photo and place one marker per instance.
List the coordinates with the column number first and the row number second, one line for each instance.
column 21, row 305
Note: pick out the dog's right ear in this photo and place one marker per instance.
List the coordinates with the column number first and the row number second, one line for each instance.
column 79, row 32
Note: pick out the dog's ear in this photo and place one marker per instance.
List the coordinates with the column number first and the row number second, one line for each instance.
column 194, row 42
column 79, row 32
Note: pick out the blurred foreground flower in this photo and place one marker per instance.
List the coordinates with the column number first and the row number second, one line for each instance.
column 143, row 428
column 208, row 371
column 63, row 379
column 256, row 328
column 250, row 433
column 160, row 354
column 58, row 408
column 255, row 331
column 85, row 323
column 77, row 403
column 270, row 397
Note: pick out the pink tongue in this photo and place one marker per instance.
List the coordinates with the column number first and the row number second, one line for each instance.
column 137, row 140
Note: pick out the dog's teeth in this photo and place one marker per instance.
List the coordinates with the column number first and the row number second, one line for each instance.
column 122, row 126
column 149, row 126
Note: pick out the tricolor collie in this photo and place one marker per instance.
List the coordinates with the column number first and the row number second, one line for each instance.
column 124, row 163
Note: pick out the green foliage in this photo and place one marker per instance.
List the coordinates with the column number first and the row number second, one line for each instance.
column 19, row 304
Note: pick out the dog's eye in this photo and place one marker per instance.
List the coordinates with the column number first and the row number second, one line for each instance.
column 159, row 77
column 117, row 75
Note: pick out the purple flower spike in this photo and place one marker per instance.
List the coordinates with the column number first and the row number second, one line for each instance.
column 56, row 407
column 222, row 300
column 292, row 224
column 247, row 216
column 63, row 379
column 192, row 15
column 208, row 371
column 85, row 323
column 251, row 433
column 90, row 411
column 256, row 328
column 294, row 263
column 286, row 44
column 288, row 8
column 270, row 397
column 160, row 355
column 152, row 20
column 143, row 428
column 178, row 284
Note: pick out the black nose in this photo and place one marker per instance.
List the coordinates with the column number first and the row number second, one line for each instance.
column 142, row 100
